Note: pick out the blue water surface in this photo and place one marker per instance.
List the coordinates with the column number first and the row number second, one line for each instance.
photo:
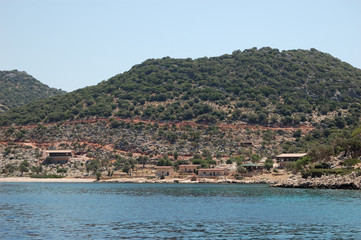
column 175, row 211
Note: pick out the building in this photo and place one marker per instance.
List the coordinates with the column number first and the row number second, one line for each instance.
column 189, row 168
column 164, row 170
column 285, row 158
column 211, row 172
column 250, row 167
column 58, row 156
column 246, row 144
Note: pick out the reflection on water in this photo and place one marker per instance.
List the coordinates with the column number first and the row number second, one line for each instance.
column 175, row 211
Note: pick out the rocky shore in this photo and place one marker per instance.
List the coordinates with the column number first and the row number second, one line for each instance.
column 224, row 180
column 351, row 181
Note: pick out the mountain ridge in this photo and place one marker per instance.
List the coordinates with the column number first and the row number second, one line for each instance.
column 19, row 88
column 256, row 86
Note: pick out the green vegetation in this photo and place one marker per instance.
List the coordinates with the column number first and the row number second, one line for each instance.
column 258, row 86
column 19, row 88
column 351, row 162
column 268, row 164
column 314, row 172
column 46, row 176
column 164, row 162
column 24, row 167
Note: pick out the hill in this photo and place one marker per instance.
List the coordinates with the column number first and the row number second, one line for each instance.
column 262, row 86
column 222, row 111
column 19, row 88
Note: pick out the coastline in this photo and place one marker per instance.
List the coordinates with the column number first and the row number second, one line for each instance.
column 351, row 182
column 129, row 180
column 259, row 179
column 60, row 180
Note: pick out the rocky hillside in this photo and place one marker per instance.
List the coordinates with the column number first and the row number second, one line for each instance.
column 19, row 88
column 265, row 86
column 245, row 107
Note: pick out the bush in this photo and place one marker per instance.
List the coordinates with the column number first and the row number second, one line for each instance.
column 268, row 164
column 314, row 172
column 98, row 175
column 46, row 176
column 61, row 170
column 229, row 161
column 322, row 165
column 351, row 162
column 164, row 162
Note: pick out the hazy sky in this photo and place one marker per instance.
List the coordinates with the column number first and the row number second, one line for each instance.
column 70, row 44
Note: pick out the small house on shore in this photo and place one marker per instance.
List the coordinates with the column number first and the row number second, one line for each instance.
column 211, row 172
column 58, row 156
column 251, row 167
column 192, row 168
column 164, row 170
column 285, row 158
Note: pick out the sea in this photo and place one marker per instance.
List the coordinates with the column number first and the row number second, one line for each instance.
column 176, row 211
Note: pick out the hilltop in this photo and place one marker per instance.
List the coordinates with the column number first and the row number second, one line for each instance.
column 19, row 88
column 264, row 86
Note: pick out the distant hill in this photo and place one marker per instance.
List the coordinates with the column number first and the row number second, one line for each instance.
column 19, row 88
column 257, row 86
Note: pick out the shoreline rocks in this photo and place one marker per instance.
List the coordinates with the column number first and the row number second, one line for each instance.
column 351, row 181
column 186, row 181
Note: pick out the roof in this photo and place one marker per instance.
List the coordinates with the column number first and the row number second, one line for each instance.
column 59, row 151
column 211, row 169
column 291, row 155
column 190, row 165
column 164, row 167
column 251, row 165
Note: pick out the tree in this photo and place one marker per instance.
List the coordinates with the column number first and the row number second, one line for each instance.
column 93, row 165
column 268, row 164
column 255, row 158
column 23, row 167
column 164, row 162
column 297, row 133
column 143, row 160
column 98, row 175
column 175, row 155
column 241, row 170
column 126, row 168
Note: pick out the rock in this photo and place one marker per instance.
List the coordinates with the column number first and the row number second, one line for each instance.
column 351, row 181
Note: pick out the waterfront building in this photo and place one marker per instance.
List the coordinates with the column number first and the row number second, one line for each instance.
column 164, row 170
column 211, row 172
column 58, row 156
column 285, row 158
column 193, row 168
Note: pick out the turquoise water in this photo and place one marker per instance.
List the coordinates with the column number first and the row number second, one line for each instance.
column 175, row 211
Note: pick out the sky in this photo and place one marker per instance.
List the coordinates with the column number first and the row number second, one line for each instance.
column 71, row 44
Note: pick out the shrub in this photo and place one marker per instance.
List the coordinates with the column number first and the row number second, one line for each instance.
column 351, row 162
column 320, row 172
column 268, row 164
column 229, row 161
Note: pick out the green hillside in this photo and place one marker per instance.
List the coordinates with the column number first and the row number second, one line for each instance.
column 19, row 88
column 264, row 86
